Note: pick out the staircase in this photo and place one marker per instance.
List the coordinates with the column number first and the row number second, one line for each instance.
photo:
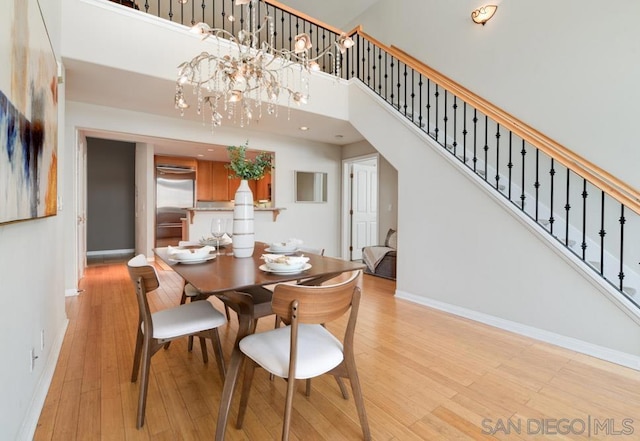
column 561, row 262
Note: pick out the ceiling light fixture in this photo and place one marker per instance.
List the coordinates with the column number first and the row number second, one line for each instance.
column 252, row 71
column 483, row 14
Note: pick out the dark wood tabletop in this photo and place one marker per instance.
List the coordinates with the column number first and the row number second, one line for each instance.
column 228, row 273
column 226, row 277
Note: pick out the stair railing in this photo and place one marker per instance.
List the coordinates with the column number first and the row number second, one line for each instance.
column 586, row 209
column 223, row 14
column 589, row 211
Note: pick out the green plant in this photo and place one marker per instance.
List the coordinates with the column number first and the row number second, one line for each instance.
column 244, row 168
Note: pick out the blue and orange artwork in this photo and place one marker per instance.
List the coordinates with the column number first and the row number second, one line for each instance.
column 28, row 121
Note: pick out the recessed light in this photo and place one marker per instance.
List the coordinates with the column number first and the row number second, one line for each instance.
column 209, row 150
column 200, row 155
column 304, row 128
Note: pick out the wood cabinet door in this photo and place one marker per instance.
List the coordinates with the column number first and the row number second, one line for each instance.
column 204, row 181
column 263, row 188
column 220, row 182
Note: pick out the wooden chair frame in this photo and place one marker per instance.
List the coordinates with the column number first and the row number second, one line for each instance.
column 146, row 280
column 296, row 304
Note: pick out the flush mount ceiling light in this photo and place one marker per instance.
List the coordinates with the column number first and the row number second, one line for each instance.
column 247, row 70
column 483, row 14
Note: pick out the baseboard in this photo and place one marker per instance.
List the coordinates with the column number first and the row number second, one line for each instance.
column 109, row 252
column 611, row 355
column 30, row 422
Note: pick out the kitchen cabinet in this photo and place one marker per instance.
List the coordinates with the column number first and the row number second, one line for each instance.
column 212, row 181
column 261, row 188
column 176, row 161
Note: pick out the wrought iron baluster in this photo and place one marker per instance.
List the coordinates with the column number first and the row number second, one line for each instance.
column 584, row 218
column 170, row 11
column 420, row 83
column 536, row 184
column 455, row 124
column 445, row 119
column 379, row 71
column 510, row 163
column 368, row 64
column 523, row 196
column 398, row 85
column 602, row 233
column 375, row 69
column 567, row 207
column 486, row 146
column 552, row 219
column 428, row 106
column 203, row 6
column 475, row 138
column 386, row 76
column 622, row 221
column 464, row 132
column 391, row 82
column 405, row 89
column 413, row 95
column 498, row 157
column 436, row 96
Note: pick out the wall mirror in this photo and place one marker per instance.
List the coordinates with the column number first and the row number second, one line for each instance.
column 310, row 186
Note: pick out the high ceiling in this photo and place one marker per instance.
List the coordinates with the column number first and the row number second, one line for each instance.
column 106, row 86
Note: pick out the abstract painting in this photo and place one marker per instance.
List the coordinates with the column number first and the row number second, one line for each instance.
column 28, row 115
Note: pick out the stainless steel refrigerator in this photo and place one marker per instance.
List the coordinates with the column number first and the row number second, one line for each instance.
column 175, row 192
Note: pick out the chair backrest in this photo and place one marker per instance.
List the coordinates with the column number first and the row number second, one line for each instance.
column 145, row 279
column 316, row 304
column 139, row 267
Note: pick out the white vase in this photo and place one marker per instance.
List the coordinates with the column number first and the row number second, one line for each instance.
column 243, row 234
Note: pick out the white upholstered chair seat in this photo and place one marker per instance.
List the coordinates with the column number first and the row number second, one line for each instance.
column 186, row 319
column 318, row 351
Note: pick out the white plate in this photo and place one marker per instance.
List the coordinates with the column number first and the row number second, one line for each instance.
column 206, row 259
column 286, row 253
column 299, row 270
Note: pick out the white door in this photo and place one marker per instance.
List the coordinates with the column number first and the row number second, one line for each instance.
column 364, row 208
column 81, row 228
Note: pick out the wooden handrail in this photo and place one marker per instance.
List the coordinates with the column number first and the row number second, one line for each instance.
column 617, row 189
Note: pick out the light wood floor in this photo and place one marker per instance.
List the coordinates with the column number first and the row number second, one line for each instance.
column 426, row 375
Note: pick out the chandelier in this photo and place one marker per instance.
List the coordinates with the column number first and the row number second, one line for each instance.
column 245, row 72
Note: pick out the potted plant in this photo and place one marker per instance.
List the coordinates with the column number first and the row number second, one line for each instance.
column 242, row 167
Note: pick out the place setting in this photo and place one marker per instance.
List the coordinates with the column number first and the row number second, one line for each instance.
column 289, row 247
column 190, row 255
column 284, row 264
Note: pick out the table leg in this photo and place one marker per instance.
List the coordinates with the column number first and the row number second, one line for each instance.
column 245, row 319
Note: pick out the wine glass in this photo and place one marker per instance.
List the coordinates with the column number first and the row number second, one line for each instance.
column 229, row 231
column 217, row 231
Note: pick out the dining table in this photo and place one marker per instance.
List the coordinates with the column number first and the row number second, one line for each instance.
column 232, row 279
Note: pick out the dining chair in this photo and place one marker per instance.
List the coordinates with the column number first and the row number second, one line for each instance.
column 156, row 329
column 304, row 348
column 190, row 292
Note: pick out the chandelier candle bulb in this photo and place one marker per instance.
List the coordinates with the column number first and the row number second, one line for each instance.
column 246, row 70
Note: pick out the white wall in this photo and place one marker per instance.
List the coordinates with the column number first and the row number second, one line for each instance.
column 290, row 153
column 568, row 69
column 31, row 293
column 462, row 247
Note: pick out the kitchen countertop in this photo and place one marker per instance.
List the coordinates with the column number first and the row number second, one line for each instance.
column 192, row 211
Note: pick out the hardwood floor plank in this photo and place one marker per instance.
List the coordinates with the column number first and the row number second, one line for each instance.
column 425, row 375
